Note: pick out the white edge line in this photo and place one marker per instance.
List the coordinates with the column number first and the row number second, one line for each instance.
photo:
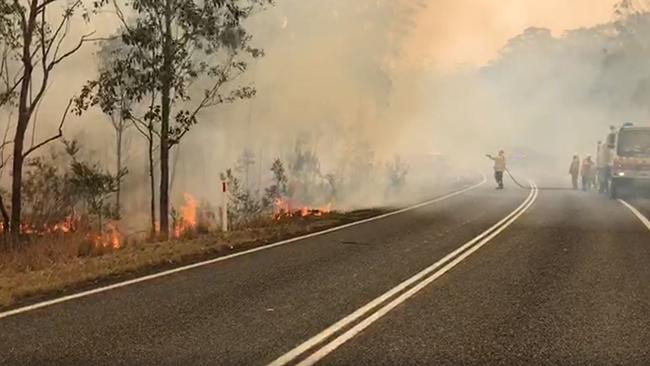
column 331, row 346
column 329, row 331
column 234, row 255
column 636, row 213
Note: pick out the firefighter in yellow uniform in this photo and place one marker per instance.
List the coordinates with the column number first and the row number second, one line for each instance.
column 499, row 167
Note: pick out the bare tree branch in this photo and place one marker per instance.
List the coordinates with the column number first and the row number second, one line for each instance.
column 5, row 143
column 48, row 69
column 44, row 5
column 54, row 137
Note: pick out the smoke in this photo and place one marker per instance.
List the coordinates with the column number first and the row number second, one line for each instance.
column 546, row 94
column 361, row 81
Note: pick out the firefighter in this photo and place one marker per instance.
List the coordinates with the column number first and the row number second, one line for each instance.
column 499, row 167
column 604, row 170
column 574, row 170
column 587, row 172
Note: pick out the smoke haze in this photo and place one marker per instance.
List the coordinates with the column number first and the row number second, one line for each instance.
column 365, row 80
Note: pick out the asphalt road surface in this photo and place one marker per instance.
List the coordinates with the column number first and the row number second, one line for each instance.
column 483, row 277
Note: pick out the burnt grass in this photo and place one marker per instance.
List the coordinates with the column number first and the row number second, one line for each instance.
column 27, row 283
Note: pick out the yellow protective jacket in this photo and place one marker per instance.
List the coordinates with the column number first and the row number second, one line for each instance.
column 499, row 163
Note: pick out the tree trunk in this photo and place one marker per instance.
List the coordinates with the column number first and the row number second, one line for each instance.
column 24, row 115
column 17, row 174
column 118, row 167
column 164, row 126
column 5, row 215
column 152, row 185
column 17, row 168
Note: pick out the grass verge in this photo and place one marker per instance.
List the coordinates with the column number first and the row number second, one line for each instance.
column 54, row 267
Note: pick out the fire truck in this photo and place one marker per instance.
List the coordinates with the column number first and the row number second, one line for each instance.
column 629, row 159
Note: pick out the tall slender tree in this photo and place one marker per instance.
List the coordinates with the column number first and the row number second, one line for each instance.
column 188, row 52
column 111, row 92
column 38, row 31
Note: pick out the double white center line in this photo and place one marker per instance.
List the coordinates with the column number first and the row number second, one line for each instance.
column 309, row 354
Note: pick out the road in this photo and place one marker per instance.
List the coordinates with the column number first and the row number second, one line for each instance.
column 542, row 277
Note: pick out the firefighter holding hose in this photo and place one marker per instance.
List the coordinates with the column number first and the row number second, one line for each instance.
column 499, row 167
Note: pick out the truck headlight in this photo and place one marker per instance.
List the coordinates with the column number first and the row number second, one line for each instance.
column 621, row 174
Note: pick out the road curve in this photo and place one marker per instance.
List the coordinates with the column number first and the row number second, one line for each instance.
column 251, row 309
column 566, row 283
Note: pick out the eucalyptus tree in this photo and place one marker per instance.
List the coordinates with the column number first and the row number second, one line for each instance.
column 187, row 53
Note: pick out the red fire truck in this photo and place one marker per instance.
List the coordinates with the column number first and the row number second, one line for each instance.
column 629, row 161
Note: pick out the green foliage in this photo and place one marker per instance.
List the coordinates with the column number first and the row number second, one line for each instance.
column 242, row 206
column 47, row 195
column 278, row 188
column 59, row 187
column 204, row 52
column 92, row 185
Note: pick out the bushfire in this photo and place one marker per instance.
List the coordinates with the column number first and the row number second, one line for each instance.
column 110, row 237
column 187, row 219
column 284, row 208
column 68, row 224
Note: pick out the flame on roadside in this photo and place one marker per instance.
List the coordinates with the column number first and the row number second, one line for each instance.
column 68, row 224
column 283, row 208
column 187, row 220
column 110, row 238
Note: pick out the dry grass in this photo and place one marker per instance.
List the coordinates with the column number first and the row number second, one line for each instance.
column 46, row 267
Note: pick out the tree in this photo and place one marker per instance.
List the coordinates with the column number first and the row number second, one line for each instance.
column 625, row 8
column 93, row 185
column 278, row 189
column 39, row 45
column 118, row 119
column 4, row 158
column 47, row 197
column 112, row 93
column 242, row 206
column 9, row 43
column 109, row 91
column 177, row 48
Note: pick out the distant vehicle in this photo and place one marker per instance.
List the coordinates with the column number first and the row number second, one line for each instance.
column 630, row 158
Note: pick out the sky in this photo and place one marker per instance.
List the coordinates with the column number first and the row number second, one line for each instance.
column 454, row 33
column 320, row 75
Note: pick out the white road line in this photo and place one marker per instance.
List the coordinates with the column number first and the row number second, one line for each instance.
column 481, row 239
column 322, row 352
column 636, row 213
column 231, row 256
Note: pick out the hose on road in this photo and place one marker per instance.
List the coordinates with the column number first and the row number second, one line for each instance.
column 529, row 187
column 539, row 188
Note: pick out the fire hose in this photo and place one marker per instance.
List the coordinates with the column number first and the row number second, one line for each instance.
column 528, row 187
column 539, row 188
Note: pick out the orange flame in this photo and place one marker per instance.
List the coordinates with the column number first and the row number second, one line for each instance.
column 68, row 224
column 283, row 208
column 109, row 238
column 113, row 236
column 188, row 216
